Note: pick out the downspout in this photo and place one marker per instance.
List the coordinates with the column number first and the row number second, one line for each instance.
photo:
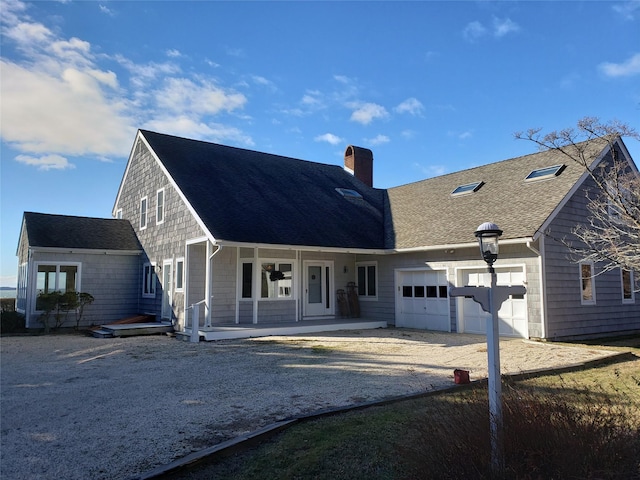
column 543, row 292
column 208, row 282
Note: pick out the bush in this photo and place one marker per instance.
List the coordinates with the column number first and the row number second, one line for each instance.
column 547, row 434
column 11, row 322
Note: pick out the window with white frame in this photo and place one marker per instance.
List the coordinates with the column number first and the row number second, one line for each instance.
column 143, row 212
column 148, row 280
column 247, row 280
column 119, row 214
column 587, row 284
column 179, row 274
column 626, row 278
column 160, row 206
column 367, row 279
column 56, row 277
column 275, row 279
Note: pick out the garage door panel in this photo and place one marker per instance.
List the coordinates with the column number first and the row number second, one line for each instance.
column 512, row 315
column 424, row 301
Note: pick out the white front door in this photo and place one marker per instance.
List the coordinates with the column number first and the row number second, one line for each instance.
column 166, row 290
column 423, row 300
column 318, row 280
column 513, row 312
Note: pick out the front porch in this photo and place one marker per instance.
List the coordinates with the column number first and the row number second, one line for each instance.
column 233, row 331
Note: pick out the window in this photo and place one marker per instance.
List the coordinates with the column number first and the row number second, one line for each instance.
column 247, row 280
column 626, row 277
column 468, row 188
column 547, row 172
column 119, row 214
column 367, row 279
column 160, row 206
column 56, row 278
column 276, row 280
column 348, row 193
column 179, row 274
column 587, row 284
column 148, row 281
column 143, row 213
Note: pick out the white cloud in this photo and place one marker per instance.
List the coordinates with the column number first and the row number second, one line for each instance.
column 431, row 170
column 57, row 99
column 68, row 113
column 365, row 113
column 473, row 31
column 627, row 68
column 378, row 140
column 185, row 95
column 411, row 105
column 46, row 162
column 502, row 27
column 627, row 9
column 106, row 10
column 187, row 126
column 329, row 138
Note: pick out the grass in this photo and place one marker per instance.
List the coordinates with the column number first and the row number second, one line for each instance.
column 583, row 424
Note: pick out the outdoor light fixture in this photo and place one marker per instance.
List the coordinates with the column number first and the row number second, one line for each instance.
column 487, row 235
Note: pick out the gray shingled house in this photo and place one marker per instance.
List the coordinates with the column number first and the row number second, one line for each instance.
column 94, row 255
column 259, row 240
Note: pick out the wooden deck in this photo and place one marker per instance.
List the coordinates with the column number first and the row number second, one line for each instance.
column 226, row 332
column 132, row 329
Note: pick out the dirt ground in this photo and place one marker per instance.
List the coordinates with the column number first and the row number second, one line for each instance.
column 78, row 407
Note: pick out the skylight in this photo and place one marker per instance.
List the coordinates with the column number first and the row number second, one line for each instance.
column 467, row 188
column 348, row 193
column 546, row 172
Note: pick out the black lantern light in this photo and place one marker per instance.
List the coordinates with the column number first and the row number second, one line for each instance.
column 487, row 235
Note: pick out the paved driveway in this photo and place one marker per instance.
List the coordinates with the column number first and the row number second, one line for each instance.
column 77, row 407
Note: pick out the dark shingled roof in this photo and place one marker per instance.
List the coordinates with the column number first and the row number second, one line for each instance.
column 253, row 197
column 63, row 231
column 426, row 214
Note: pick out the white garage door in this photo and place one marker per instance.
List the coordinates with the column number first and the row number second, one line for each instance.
column 423, row 300
column 513, row 313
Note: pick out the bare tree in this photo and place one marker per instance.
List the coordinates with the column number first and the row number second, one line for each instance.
column 611, row 234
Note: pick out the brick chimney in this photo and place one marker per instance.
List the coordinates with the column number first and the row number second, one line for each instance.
column 359, row 162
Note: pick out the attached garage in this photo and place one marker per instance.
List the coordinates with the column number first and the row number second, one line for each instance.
column 513, row 313
column 423, row 300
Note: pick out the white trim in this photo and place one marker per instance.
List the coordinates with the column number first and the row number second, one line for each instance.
column 482, row 266
column 398, row 294
column 34, row 282
column 164, row 314
column 371, row 263
column 329, row 297
column 579, row 183
column 142, row 226
column 84, row 251
column 631, row 281
column 151, row 294
column 592, row 277
column 160, row 190
column 176, row 287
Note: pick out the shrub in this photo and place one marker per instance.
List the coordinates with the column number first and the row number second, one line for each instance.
column 547, row 434
column 11, row 322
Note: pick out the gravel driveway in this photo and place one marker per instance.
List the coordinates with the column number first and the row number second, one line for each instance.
column 78, row 407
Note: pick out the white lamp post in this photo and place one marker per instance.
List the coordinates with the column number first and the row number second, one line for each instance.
column 487, row 235
column 491, row 299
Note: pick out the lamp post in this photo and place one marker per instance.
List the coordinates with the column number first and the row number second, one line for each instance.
column 491, row 299
column 487, row 235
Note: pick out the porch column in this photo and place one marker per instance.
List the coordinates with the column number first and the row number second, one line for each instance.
column 207, row 286
column 257, row 282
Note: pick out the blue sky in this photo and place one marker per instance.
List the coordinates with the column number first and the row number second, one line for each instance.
column 430, row 87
